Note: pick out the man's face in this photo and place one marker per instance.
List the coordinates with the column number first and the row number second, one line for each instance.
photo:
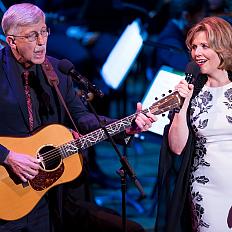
column 26, row 51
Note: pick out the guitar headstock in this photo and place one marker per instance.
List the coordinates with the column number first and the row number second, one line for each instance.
column 172, row 101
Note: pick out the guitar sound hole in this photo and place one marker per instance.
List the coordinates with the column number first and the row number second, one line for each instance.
column 51, row 157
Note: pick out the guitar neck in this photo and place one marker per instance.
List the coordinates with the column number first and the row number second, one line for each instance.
column 100, row 135
column 96, row 136
column 172, row 101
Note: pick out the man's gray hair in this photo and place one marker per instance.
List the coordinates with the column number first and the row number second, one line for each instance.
column 23, row 14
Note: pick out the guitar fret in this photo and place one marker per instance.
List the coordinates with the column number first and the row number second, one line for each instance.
column 96, row 136
column 62, row 152
column 99, row 135
column 69, row 148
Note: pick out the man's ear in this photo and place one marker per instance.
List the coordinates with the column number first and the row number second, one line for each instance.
column 11, row 41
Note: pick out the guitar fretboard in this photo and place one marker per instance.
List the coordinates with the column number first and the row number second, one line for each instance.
column 96, row 136
column 88, row 140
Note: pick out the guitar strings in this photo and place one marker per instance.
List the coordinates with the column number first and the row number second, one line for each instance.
column 49, row 156
column 56, row 152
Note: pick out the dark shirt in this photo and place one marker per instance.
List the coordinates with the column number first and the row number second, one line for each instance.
column 36, row 83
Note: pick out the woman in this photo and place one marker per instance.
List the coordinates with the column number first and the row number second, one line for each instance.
column 196, row 156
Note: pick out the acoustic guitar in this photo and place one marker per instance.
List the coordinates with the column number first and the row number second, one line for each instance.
column 61, row 159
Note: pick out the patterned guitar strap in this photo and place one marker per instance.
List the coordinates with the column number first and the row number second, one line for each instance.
column 54, row 81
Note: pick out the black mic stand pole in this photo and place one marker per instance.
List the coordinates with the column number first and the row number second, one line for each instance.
column 125, row 169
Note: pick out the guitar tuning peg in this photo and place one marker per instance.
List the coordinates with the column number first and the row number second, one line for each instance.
column 163, row 95
column 156, row 98
column 163, row 115
column 169, row 90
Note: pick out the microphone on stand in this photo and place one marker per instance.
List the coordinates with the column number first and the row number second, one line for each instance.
column 66, row 67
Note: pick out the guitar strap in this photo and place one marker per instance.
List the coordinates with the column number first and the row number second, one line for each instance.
column 54, row 81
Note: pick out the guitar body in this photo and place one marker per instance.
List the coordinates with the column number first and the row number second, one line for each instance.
column 17, row 199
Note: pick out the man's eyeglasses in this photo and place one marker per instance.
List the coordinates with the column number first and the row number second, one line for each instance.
column 33, row 36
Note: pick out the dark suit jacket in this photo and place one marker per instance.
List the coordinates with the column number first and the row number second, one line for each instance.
column 14, row 116
column 13, row 106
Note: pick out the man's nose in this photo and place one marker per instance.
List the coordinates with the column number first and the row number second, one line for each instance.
column 41, row 40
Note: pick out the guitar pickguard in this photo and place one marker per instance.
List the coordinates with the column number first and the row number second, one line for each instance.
column 46, row 178
column 51, row 169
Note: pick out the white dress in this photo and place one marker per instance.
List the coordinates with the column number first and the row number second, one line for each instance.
column 211, row 174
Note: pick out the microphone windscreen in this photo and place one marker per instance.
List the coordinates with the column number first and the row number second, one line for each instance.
column 65, row 66
column 192, row 68
column 192, row 71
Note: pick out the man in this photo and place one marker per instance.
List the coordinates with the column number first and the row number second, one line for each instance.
column 28, row 102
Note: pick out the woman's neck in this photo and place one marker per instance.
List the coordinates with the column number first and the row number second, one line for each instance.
column 219, row 79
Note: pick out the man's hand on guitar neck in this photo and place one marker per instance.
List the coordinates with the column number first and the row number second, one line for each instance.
column 142, row 121
column 75, row 134
column 26, row 167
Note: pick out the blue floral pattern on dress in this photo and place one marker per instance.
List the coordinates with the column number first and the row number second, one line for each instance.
column 228, row 95
column 199, row 105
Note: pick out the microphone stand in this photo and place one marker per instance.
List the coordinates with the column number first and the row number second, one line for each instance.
column 124, row 171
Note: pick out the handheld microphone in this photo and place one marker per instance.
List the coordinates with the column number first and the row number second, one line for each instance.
column 66, row 67
column 191, row 72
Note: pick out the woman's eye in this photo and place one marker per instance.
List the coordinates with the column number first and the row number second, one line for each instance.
column 205, row 46
column 193, row 47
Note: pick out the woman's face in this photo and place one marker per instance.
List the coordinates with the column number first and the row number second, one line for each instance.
column 207, row 59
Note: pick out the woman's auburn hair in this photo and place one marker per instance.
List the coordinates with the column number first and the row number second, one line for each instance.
column 219, row 35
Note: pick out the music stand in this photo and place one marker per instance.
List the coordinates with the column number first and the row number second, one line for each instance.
column 118, row 65
column 123, row 55
column 165, row 80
